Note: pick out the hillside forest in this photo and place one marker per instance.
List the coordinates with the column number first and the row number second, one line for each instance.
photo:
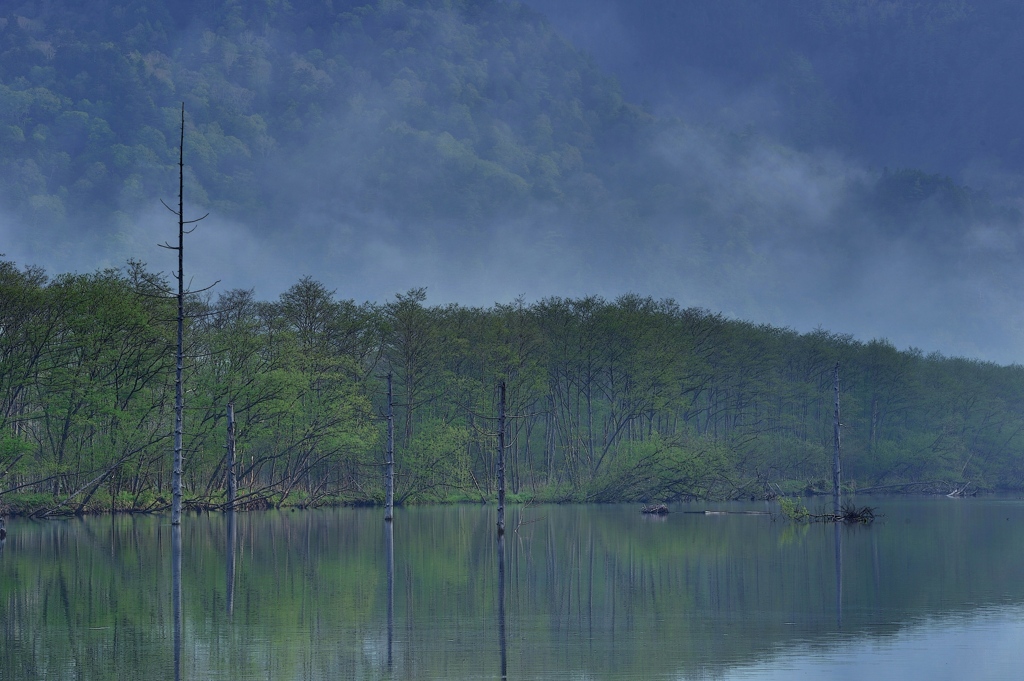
column 348, row 149
column 382, row 146
column 633, row 399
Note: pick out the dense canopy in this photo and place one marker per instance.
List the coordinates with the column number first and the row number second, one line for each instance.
column 631, row 399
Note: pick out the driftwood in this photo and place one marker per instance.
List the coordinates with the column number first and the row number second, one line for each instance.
column 730, row 512
column 657, row 509
column 847, row 514
column 960, row 491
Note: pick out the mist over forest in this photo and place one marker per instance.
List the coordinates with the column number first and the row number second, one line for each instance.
column 853, row 165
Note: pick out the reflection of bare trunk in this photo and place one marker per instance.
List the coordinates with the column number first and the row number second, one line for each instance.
column 232, row 526
column 502, row 640
column 176, row 596
column 590, row 584
column 839, row 575
column 389, row 550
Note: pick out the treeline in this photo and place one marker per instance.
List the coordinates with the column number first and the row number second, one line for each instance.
column 631, row 399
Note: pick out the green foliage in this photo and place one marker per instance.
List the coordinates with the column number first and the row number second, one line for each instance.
column 625, row 400
column 26, row 503
column 794, row 510
column 435, row 464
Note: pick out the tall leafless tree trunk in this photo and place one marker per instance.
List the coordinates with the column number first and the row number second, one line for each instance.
column 836, row 468
column 501, row 460
column 230, row 464
column 179, row 399
column 389, row 475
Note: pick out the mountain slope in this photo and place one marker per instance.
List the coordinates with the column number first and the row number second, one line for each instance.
column 899, row 83
column 467, row 147
column 390, row 103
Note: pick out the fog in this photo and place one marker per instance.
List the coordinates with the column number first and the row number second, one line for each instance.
column 753, row 223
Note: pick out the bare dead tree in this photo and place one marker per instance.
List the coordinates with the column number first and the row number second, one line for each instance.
column 232, row 484
column 179, row 401
column 836, row 464
column 389, row 475
column 501, row 461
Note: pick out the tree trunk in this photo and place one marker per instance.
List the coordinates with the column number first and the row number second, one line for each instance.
column 501, row 460
column 836, row 470
column 389, row 475
column 179, row 401
column 232, row 483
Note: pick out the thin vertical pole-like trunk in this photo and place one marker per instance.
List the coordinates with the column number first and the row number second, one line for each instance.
column 179, row 401
column 232, row 482
column 501, row 460
column 389, row 474
column 836, row 469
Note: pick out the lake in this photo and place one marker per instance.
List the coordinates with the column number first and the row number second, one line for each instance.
column 933, row 590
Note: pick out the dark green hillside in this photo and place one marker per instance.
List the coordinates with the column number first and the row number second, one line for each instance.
column 434, row 110
column 425, row 113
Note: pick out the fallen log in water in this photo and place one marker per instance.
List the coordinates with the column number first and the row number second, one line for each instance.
column 729, row 512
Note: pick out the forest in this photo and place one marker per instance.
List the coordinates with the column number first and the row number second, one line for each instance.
column 469, row 128
column 420, row 97
column 632, row 399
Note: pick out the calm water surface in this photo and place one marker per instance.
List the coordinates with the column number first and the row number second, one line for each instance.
column 932, row 591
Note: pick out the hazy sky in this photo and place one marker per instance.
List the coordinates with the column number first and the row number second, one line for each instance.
column 773, row 233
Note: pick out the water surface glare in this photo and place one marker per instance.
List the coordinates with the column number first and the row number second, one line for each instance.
column 932, row 591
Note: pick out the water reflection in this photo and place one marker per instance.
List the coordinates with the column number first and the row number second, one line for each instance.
column 577, row 592
column 838, row 541
column 230, row 577
column 389, row 552
column 983, row 645
column 176, row 596
column 502, row 639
